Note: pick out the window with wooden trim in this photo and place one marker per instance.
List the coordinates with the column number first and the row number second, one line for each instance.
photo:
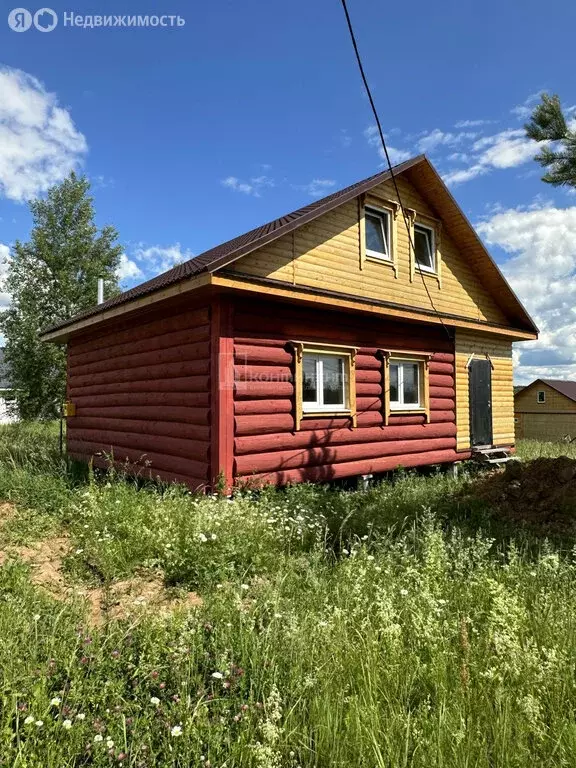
column 541, row 396
column 406, row 383
column 425, row 247
column 325, row 381
column 378, row 233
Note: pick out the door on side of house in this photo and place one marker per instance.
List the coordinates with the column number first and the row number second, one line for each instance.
column 480, row 393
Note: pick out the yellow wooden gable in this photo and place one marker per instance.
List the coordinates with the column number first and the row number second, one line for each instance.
column 328, row 254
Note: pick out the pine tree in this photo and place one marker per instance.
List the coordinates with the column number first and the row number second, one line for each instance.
column 51, row 278
column 548, row 124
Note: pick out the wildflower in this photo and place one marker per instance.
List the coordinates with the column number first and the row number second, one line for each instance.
column 29, row 720
column 218, row 586
column 202, row 538
column 98, row 738
column 217, row 675
column 244, row 586
column 67, row 724
column 404, row 592
column 39, row 723
column 36, row 617
column 213, row 537
column 155, row 701
column 80, row 716
column 176, row 731
column 109, row 743
column 55, row 702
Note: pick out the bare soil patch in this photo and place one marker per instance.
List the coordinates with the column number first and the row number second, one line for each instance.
column 129, row 598
column 541, row 492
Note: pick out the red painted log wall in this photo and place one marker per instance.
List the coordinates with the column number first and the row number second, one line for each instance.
column 266, row 446
column 142, row 394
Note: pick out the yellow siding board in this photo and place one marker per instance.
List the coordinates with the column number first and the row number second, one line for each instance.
column 525, row 401
column 499, row 351
column 326, row 253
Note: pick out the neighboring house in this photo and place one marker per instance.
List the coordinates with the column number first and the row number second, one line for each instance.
column 546, row 410
column 317, row 346
column 6, row 393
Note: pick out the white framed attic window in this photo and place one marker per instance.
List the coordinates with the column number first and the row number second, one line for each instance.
column 541, row 396
column 425, row 248
column 378, row 233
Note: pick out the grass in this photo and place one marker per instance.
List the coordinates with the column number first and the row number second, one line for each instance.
column 398, row 626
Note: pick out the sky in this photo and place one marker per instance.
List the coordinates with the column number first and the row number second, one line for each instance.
column 193, row 134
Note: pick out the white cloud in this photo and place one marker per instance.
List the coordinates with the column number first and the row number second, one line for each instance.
column 524, row 110
column 506, row 149
column 39, row 143
column 128, row 269
column 431, row 140
column 542, row 271
column 472, row 123
column 318, row 187
column 254, row 186
column 396, row 155
column 155, row 259
column 4, row 260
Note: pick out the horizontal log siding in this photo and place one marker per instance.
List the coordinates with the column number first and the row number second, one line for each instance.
column 266, row 446
column 142, row 394
column 499, row 351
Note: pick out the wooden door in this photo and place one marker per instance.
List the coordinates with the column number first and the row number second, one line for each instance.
column 480, row 393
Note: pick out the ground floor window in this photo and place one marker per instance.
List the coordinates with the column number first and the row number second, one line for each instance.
column 406, row 383
column 325, row 381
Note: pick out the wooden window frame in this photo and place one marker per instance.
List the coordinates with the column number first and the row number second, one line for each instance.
column 349, row 355
column 406, row 356
column 381, row 213
column 433, row 270
column 435, row 226
column 538, row 393
column 390, row 209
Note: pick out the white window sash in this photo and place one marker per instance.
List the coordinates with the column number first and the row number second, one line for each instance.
column 400, row 405
column 318, row 405
column 431, row 246
column 384, row 219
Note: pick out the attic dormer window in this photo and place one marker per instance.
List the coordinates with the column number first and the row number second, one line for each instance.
column 377, row 233
column 541, row 396
column 425, row 248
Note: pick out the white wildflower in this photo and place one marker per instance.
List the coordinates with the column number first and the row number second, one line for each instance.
column 202, row 538
column 67, row 724
column 39, row 723
column 155, row 701
column 36, row 617
column 404, row 592
column 29, row 720
column 176, row 731
column 217, row 675
column 56, row 701
column 98, row 738
column 109, row 743
column 244, row 586
column 80, row 716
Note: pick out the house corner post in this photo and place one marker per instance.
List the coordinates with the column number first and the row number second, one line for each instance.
column 221, row 395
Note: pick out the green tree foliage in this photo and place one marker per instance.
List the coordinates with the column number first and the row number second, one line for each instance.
column 50, row 279
column 548, row 124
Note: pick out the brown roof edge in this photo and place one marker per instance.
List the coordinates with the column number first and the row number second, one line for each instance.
column 566, row 388
column 225, row 253
column 455, row 203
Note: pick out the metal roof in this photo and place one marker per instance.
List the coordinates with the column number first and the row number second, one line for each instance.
column 239, row 246
column 228, row 252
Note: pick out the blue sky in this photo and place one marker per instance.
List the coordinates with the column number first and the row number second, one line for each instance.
column 194, row 134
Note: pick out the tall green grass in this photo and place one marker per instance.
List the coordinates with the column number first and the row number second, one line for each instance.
column 389, row 627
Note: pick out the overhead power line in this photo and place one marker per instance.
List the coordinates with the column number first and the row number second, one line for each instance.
column 388, row 161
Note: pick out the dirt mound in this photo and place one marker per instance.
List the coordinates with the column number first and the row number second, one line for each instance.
column 542, row 491
column 129, row 598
